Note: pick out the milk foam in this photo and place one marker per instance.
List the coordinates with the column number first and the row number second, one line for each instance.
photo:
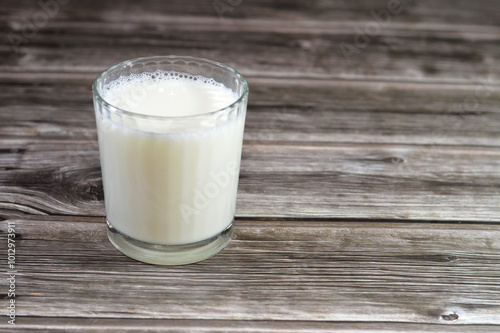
column 168, row 93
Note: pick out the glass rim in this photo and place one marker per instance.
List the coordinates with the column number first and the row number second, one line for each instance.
column 118, row 110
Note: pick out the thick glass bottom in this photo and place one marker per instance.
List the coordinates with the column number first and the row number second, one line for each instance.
column 169, row 254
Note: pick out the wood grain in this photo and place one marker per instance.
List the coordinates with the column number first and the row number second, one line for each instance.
column 334, row 181
column 272, row 270
column 446, row 12
column 54, row 107
column 79, row 40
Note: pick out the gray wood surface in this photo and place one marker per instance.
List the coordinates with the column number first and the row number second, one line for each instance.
column 272, row 270
column 286, row 180
column 369, row 197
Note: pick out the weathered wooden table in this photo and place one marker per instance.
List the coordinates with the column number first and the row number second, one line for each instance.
column 369, row 195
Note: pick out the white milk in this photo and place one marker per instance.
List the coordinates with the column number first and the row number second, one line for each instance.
column 163, row 184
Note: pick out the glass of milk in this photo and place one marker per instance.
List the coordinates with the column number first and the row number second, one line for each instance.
column 170, row 133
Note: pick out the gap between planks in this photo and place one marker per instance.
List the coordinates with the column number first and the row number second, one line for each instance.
column 283, row 222
column 269, row 76
column 35, row 324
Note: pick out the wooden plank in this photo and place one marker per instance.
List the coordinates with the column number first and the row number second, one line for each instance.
column 341, row 272
column 88, row 40
column 310, row 181
column 387, row 182
column 59, row 107
column 478, row 13
column 417, row 58
column 62, row 324
column 375, row 112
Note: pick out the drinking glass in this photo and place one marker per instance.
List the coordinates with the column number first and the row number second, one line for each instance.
column 170, row 182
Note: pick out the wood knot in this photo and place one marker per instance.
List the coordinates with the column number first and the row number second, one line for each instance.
column 452, row 258
column 12, row 151
column 450, row 317
column 442, row 257
column 394, row 160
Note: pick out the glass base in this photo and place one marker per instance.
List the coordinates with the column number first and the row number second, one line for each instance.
column 169, row 254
